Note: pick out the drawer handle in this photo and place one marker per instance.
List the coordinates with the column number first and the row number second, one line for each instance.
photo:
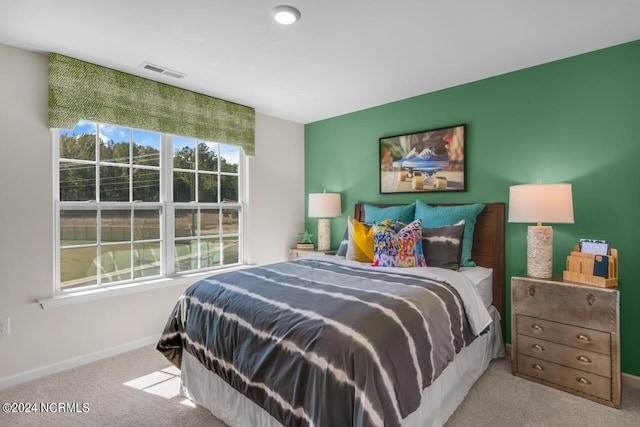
column 583, row 359
column 536, row 327
column 537, row 347
column 532, row 290
column 583, row 381
column 537, row 367
column 583, row 338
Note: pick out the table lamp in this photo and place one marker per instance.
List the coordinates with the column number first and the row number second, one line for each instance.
column 324, row 206
column 538, row 203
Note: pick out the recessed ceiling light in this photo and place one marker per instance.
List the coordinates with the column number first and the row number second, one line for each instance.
column 286, row 15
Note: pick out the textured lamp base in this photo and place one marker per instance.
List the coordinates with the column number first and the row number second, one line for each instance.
column 540, row 252
column 324, row 235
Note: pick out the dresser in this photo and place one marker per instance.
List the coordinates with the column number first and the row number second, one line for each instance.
column 567, row 336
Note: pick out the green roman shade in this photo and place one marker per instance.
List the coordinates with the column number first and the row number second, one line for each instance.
column 80, row 90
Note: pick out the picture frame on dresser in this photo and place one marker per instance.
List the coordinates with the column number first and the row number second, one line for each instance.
column 597, row 247
column 431, row 160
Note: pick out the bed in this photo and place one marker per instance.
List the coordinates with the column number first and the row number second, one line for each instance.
column 323, row 341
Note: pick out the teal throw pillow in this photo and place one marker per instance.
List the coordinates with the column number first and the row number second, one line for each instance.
column 438, row 216
column 402, row 213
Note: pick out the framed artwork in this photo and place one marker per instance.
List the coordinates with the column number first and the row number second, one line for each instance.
column 427, row 161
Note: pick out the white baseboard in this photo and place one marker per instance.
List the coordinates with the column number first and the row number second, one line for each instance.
column 630, row 380
column 54, row 368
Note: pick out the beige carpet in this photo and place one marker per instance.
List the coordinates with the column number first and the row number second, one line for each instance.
column 501, row 399
column 138, row 388
column 141, row 388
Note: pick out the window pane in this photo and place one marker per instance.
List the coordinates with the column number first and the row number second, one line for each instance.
column 207, row 188
column 209, row 222
column 209, row 253
column 230, row 221
column 231, row 250
column 146, row 148
column 115, row 226
column 114, row 143
column 78, row 267
column 184, row 153
column 77, row 182
column 115, row 263
column 114, row 184
column 207, row 156
column 146, row 185
column 78, row 227
column 147, row 259
column 79, row 143
column 184, row 187
column 228, row 188
column 186, row 222
column 186, row 255
column 146, row 224
column 230, row 158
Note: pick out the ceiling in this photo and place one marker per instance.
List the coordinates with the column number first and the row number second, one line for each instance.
column 342, row 56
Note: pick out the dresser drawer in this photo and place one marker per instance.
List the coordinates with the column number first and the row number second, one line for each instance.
column 574, row 379
column 576, row 358
column 574, row 336
column 590, row 307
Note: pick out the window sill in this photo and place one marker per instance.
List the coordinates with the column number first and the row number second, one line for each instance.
column 78, row 296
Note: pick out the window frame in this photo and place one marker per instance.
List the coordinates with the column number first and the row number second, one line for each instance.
column 166, row 206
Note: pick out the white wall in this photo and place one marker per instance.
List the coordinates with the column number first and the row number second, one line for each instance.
column 44, row 341
column 276, row 180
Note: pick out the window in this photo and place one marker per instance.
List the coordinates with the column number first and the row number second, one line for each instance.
column 133, row 205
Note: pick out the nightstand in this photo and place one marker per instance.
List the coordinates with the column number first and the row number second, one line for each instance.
column 295, row 253
column 567, row 336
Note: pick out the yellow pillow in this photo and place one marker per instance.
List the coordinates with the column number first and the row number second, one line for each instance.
column 361, row 240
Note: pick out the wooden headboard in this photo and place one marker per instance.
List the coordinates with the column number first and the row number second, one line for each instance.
column 488, row 246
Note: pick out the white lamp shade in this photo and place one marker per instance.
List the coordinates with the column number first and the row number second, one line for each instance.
column 324, row 205
column 538, row 203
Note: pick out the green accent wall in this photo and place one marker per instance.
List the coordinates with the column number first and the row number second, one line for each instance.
column 573, row 120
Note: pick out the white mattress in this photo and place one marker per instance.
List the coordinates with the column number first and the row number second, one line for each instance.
column 482, row 277
column 439, row 400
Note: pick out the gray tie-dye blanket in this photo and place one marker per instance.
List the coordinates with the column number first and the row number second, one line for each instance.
column 318, row 343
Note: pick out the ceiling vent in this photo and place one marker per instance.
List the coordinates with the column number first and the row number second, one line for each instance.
column 161, row 70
